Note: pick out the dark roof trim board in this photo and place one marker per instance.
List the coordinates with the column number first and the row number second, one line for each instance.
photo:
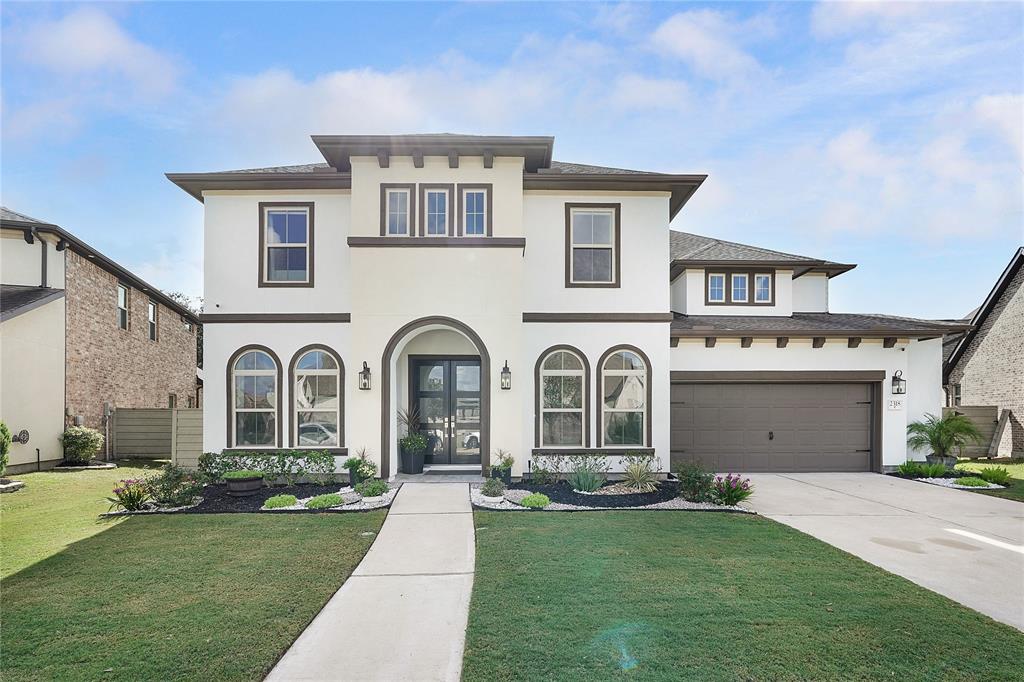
column 982, row 313
column 94, row 256
column 17, row 300
column 196, row 183
column 338, row 149
column 679, row 187
column 806, row 325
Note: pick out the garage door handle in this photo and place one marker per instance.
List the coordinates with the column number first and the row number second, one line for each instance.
column 771, row 435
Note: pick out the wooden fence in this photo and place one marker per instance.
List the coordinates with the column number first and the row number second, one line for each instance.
column 986, row 418
column 158, row 433
column 186, row 437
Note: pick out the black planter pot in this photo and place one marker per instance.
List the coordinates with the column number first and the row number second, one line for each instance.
column 244, row 487
column 412, row 462
column 504, row 474
column 353, row 477
column 948, row 460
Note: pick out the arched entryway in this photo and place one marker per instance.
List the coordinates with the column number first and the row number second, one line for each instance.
column 395, row 395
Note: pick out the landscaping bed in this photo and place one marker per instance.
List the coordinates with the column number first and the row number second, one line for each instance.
column 215, row 499
column 607, row 498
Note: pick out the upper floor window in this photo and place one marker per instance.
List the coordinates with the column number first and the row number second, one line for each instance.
column 592, row 245
column 122, row 306
column 189, row 327
column 762, row 288
column 397, row 208
column 317, row 385
column 286, row 244
column 562, row 385
column 625, row 391
column 475, row 210
column 151, row 317
column 253, row 420
column 436, row 215
column 716, row 288
column 739, row 287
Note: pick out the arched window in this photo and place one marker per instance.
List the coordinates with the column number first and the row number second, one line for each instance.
column 255, row 391
column 317, row 380
column 624, row 396
column 563, row 393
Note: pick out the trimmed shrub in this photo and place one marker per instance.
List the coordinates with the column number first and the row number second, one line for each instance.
column 492, row 487
column 587, row 473
column 324, row 501
column 545, row 469
column 695, row 484
column 289, row 465
column 5, row 447
column 174, row 487
column 372, row 487
column 536, row 501
column 80, row 444
column 278, row 501
column 972, row 482
column 731, row 490
column 997, row 475
column 242, row 473
column 640, row 472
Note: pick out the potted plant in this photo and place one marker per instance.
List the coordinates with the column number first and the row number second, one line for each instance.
column 502, row 467
column 942, row 435
column 359, row 467
column 243, row 482
column 413, row 446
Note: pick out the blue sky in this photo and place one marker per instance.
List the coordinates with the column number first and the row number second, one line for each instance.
column 885, row 134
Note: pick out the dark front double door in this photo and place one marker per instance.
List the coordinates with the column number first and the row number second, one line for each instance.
column 447, row 392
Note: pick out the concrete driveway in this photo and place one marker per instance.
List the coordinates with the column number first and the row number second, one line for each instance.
column 966, row 546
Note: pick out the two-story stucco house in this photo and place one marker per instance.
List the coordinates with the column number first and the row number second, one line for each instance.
column 532, row 306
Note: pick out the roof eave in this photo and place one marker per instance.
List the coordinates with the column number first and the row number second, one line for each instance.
column 810, row 333
column 338, row 149
column 197, row 183
column 679, row 187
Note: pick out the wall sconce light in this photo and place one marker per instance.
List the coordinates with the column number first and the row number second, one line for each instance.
column 364, row 377
column 506, row 377
column 899, row 384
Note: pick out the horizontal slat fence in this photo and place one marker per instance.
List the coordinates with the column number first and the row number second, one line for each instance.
column 187, row 437
column 986, row 418
column 142, row 432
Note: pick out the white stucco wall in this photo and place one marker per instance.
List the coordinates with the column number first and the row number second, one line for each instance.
column 920, row 362
column 694, row 290
column 810, row 293
column 677, row 293
column 32, row 381
column 21, row 263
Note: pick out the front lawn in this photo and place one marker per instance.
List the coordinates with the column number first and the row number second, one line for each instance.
column 668, row 596
column 1014, row 491
column 183, row 597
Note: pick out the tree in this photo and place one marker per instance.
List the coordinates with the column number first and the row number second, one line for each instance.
column 194, row 304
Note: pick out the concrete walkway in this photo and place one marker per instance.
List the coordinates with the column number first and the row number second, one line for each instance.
column 966, row 546
column 402, row 614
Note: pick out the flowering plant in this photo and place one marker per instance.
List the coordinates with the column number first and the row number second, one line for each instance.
column 130, row 495
column 731, row 490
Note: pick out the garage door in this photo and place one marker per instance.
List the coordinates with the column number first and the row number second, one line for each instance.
column 772, row 427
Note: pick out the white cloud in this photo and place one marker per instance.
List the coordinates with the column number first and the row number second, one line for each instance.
column 1004, row 113
column 635, row 92
column 708, row 42
column 831, row 18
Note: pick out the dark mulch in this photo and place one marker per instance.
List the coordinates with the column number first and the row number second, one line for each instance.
column 955, row 473
column 563, row 492
column 217, row 501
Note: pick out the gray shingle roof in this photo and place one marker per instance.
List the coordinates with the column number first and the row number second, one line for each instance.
column 8, row 214
column 300, row 168
column 821, row 324
column 587, row 169
column 15, row 299
column 688, row 246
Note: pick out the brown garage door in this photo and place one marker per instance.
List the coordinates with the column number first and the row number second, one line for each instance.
column 772, row 427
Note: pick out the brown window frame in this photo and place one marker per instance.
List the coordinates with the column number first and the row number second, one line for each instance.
column 293, row 426
column 751, row 274
column 449, row 189
column 648, row 428
column 265, row 206
column 538, row 407
column 153, row 326
column 127, row 306
column 230, row 402
column 616, row 281
column 409, row 187
column 488, row 189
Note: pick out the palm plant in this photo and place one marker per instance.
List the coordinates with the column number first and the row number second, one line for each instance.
column 942, row 435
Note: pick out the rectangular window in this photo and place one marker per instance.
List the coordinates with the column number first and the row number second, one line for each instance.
column 190, row 401
column 716, row 288
column 151, row 317
column 172, row 400
column 475, row 216
column 762, row 288
column 122, row 306
column 739, row 288
column 957, row 395
column 435, row 206
column 398, row 211
column 593, row 245
column 287, row 239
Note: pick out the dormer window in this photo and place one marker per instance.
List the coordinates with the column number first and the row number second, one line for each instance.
column 716, row 288
column 762, row 288
column 739, row 288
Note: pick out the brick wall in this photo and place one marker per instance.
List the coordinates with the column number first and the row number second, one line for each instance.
column 991, row 371
column 121, row 366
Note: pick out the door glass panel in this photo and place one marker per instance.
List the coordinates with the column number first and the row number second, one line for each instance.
column 432, row 377
column 432, row 410
column 435, row 442
column 467, row 410
column 467, row 442
column 467, row 378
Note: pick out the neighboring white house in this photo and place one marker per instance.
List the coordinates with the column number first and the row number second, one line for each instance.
column 532, row 306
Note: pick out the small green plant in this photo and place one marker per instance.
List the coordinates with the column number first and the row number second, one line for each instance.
column 80, row 444
column 972, row 482
column 242, row 473
column 731, row 490
column 640, row 472
column 414, row 443
column 910, row 469
column 372, row 487
column 5, row 447
column 545, row 469
column 997, row 475
column 174, row 487
column 503, row 461
column 278, row 501
column 942, row 435
column 937, row 470
column 492, row 487
column 130, row 494
column 324, row 501
column 695, row 484
column 587, row 473
column 536, row 501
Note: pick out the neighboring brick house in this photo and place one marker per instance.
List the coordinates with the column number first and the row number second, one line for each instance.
column 123, row 342
column 986, row 364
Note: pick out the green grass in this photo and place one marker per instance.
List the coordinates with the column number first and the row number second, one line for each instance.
column 668, row 596
column 1014, row 491
column 183, row 597
column 55, row 509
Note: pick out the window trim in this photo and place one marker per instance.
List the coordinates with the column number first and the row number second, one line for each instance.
column 746, row 287
column 751, row 274
column 127, row 306
column 230, row 388
column 616, row 209
column 293, row 408
column 725, row 287
column 449, row 190
column 409, row 187
column 538, row 412
column 153, row 326
column 958, row 394
column 648, row 431
column 771, row 288
column 488, row 190
column 264, row 207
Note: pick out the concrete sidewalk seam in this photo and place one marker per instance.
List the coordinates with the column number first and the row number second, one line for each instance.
column 411, row 575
